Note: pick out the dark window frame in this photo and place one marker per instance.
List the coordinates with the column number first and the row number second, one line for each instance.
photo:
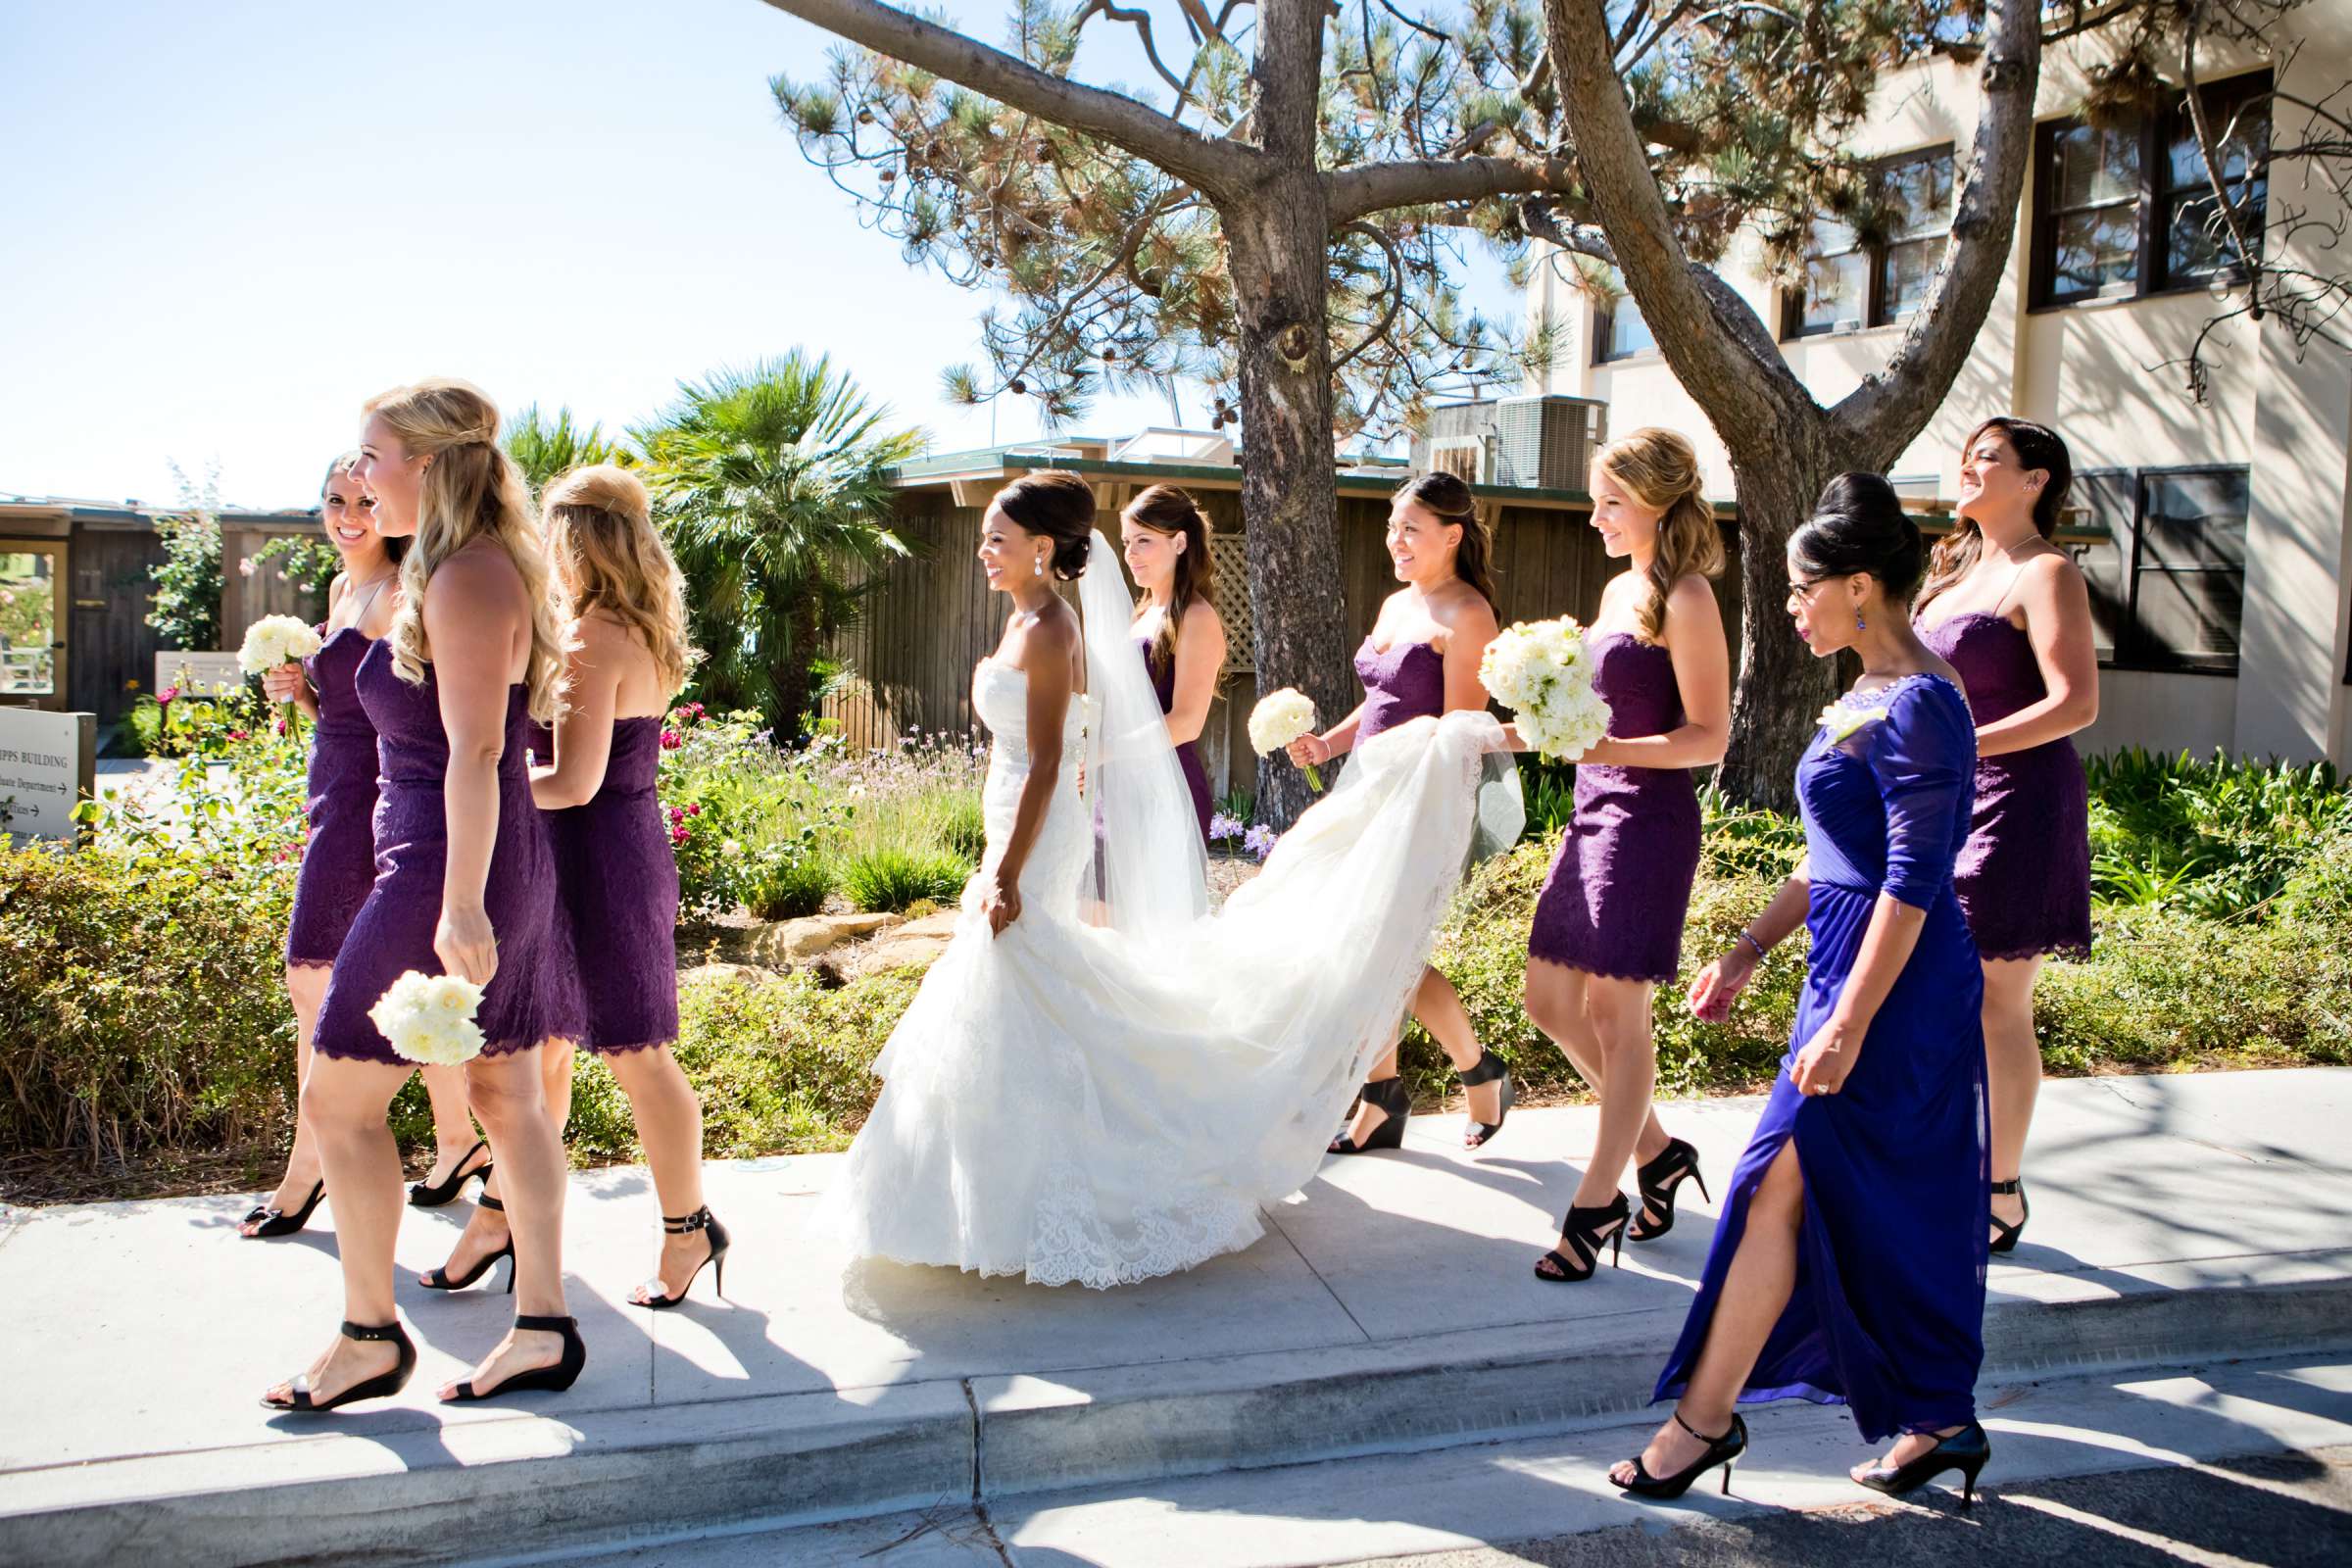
column 2134, row 648
column 1604, row 331
column 1875, row 312
column 2153, row 201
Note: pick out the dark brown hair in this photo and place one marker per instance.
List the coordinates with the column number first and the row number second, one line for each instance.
column 1164, row 509
column 2037, row 446
column 1058, row 504
column 1450, row 500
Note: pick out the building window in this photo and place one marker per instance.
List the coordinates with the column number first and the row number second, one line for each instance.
column 1618, row 330
column 2168, row 584
column 2125, row 210
column 1852, row 283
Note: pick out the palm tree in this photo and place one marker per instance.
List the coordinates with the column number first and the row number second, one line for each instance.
column 772, row 485
column 546, row 449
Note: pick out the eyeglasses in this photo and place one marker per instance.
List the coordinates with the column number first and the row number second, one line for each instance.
column 1800, row 594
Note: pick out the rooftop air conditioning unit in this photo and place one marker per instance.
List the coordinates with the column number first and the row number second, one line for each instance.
column 1543, row 443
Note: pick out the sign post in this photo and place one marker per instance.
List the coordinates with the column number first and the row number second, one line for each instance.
column 48, row 766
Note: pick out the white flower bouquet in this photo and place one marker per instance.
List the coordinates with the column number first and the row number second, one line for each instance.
column 1543, row 673
column 430, row 1018
column 1279, row 718
column 276, row 640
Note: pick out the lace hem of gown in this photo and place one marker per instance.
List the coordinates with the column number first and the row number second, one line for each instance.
column 1596, row 973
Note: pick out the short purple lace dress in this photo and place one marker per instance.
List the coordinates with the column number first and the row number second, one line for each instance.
column 618, row 879
column 338, row 861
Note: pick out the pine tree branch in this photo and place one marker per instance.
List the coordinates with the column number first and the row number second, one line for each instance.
column 1746, row 399
column 1368, row 189
column 1395, row 291
column 1216, row 165
column 1887, row 409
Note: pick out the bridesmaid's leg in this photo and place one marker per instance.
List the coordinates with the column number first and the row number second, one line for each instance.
column 670, row 1124
column 452, row 1123
column 305, row 987
column 1756, row 1291
column 2012, row 1071
column 1439, row 1008
column 1555, row 1005
column 486, row 1228
column 1619, row 1014
column 509, row 1092
column 344, row 1103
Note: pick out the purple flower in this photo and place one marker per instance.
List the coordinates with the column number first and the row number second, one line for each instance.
column 1222, row 826
column 1259, row 841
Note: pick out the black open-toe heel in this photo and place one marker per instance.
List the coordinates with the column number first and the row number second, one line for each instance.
column 1965, row 1450
column 267, row 1222
column 1676, row 1164
column 2006, row 1240
column 702, row 1219
column 539, row 1379
column 1394, row 1101
column 426, row 1195
column 1720, row 1451
column 383, row 1386
column 1583, row 1232
column 440, row 1279
column 1486, row 1070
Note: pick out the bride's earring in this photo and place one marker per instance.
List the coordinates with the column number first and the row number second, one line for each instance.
column 1041, row 566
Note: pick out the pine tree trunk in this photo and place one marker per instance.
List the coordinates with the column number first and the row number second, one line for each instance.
column 1783, row 687
column 1278, row 238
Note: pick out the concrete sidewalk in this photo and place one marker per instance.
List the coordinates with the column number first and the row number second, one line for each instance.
column 2175, row 1218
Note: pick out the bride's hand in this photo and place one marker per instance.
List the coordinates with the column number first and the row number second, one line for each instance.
column 1002, row 900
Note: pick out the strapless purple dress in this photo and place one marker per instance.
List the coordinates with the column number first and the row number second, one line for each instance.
column 535, row 990
column 1187, row 755
column 1404, row 683
column 338, row 861
column 1619, row 890
column 618, row 880
column 2024, row 876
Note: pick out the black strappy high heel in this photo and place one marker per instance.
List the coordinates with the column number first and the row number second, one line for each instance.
column 1394, row 1101
column 1583, row 1232
column 383, row 1386
column 1721, row 1450
column 1965, row 1450
column 426, row 1195
column 2006, row 1240
column 439, row 1279
column 267, row 1222
column 1486, row 1070
column 539, row 1379
column 702, row 1219
column 1676, row 1165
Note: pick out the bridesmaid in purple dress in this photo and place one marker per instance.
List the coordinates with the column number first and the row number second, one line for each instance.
column 616, row 876
column 2012, row 614
column 1608, row 926
column 1164, row 537
column 338, row 856
column 465, row 884
column 1421, row 660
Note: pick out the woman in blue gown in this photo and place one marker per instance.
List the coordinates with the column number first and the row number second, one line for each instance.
column 1848, row 1266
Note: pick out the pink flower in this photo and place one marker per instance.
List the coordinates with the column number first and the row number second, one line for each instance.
column 694, row 809
column 677, row 814
column 680, row 834
column 240, row 734
column 694, row 710
column 670, row 741
column 279, row 725
column 168, row 696
column 245, row 567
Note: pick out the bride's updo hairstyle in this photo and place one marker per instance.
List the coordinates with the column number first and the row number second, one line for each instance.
column 1058, row 504
column 1859, row 525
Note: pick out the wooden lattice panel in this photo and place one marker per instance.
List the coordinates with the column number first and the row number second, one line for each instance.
column 1231, row 553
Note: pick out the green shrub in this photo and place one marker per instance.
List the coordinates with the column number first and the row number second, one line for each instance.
column 2214, row 837
column 889, row 879
column 791, row 887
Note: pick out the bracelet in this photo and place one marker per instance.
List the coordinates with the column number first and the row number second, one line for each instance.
column 1762, row 952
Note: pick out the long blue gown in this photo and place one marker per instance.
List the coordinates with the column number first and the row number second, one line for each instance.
column 1888, row 1313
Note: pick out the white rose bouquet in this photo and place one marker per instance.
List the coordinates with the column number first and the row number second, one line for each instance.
column 430, row 1018
column 276, row 640
column 1544, row 674
column 1279, row 718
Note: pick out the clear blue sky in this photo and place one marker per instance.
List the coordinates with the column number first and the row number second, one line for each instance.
column 228, row 223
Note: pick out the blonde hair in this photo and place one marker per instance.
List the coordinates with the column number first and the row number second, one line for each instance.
column 1658, row 467
column 471, row 490
column 609, row 558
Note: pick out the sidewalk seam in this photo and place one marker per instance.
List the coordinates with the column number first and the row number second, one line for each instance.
column 1274, row 1221
column 987, row 1525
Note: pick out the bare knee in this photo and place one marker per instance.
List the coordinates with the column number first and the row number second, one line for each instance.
column 1554, row 1001
column 653, row 1074
column 1618, row 1011
column 506, row 1101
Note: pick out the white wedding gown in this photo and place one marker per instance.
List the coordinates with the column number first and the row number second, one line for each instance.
column 1066, row 1102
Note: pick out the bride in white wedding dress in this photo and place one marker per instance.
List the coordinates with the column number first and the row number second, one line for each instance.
column 1103, row 1103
